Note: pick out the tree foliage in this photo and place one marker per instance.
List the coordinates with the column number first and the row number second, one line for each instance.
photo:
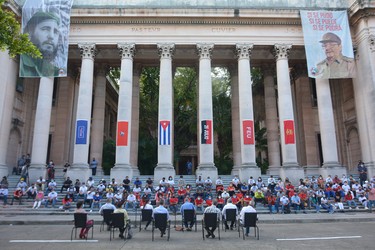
column 10, row 37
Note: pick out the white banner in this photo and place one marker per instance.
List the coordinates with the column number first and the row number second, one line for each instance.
column 47, row 22
column 328, row 44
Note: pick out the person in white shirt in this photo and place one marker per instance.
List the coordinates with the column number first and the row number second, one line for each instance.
column 346, row 186
column 271, row 179
column 160, row 209
column 90, row 182
column 148, row 206
column 219, row 181
column 248, row 208
column 329, row 179
column 131, row 200
column 229, row 205
column 284, row 201
column 51, row 198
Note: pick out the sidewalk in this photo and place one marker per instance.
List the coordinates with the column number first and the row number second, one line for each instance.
column 67, row 219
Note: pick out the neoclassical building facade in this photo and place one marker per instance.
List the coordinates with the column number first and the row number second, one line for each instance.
column 334, row 120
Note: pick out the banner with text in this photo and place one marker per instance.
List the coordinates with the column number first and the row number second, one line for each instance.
column 122, row 133
column 289, row 132
column 328, row 44
column 165, row 133
column 81, row 132
column 47, row 22
column 206, row 136
column 248, row 132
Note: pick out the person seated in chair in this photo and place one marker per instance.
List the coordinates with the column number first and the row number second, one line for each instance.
column 120, row 209
column 147, row 206
column 229, row 205
column 107, row 205
column 212, row 209
column 186, row 206
column 160, row 209
column 248, row 208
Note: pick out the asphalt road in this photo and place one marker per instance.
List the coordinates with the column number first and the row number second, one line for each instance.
column 334, row 235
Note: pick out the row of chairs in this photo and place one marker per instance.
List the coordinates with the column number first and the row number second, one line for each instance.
column 116, row 220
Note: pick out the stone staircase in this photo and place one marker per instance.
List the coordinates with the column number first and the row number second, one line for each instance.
column 26, row 206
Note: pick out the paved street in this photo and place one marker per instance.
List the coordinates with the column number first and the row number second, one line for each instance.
column 334, row 235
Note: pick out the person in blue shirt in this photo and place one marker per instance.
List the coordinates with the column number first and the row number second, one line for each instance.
column 160, row 209
column 187, row 206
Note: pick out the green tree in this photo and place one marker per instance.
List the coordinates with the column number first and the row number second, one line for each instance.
column 10, row 37
column 109, row 155
column 221, row 100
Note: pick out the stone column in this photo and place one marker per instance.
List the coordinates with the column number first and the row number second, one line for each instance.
column 248, row 163
column 98, row 115
column 80, row 167
column 165, row 167
column 290, row 167
column 364, row 89
column 41, row 129
column 124, row 115
column 327, row 130
column 272, row 123
column 206, row 165
column 8, row 72
column 236, row 137
column 135, row 121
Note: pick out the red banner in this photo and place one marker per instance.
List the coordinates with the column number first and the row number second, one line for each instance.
column 248, row 132
column 206, row 136
column 122, row 133
column 289, row 132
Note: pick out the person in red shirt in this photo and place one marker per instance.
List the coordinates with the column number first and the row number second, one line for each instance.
column 231, row 189
column 208, row 201
column 271, row 201
column 199, row 203
column 181, row 193
column 173, row 203
column 17, row 194
column 220, row 202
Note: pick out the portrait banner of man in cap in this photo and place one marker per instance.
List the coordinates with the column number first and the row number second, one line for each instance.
column 328, row 44
column 47, row 22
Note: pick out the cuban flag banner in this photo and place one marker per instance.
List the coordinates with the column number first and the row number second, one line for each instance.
column 165, row 133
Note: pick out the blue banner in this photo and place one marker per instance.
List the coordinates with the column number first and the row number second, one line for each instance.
column 328, row 44
column 81, row 132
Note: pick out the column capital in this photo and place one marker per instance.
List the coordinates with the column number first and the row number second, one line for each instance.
column 205, row 50
column 371, row 41
column 87, row 50
column 166, row 50
column 243, row 51
column 281, row 51
column 127, row 50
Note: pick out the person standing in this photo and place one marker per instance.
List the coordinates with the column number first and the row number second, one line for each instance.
column 189, row 167
column 93, row 166
column 362, row 170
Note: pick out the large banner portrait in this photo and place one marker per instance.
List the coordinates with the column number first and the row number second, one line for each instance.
column 47, row 22
column 328, row 44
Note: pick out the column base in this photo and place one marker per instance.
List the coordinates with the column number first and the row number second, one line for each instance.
column 207, row 170
column 370, row 169
column 163, row 170
column 249, row 170
column 274, row 170
column 313, row 170
column 293, row 172
column 35, row 171
column 79, row 171
column 4, row 170
column 332, row 168
column 136, row 171
column 235, row 170
column 120, row 171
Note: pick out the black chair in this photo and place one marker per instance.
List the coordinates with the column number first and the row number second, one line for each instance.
column 230, row 216
column 106, row 218
column 146, row 215
column 189, row 215
column 210, row 220
column 80, row 220
column 117, row 221
column 161, row 221
column 250, row 221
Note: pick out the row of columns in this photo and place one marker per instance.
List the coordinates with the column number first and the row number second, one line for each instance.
column 247, row 165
